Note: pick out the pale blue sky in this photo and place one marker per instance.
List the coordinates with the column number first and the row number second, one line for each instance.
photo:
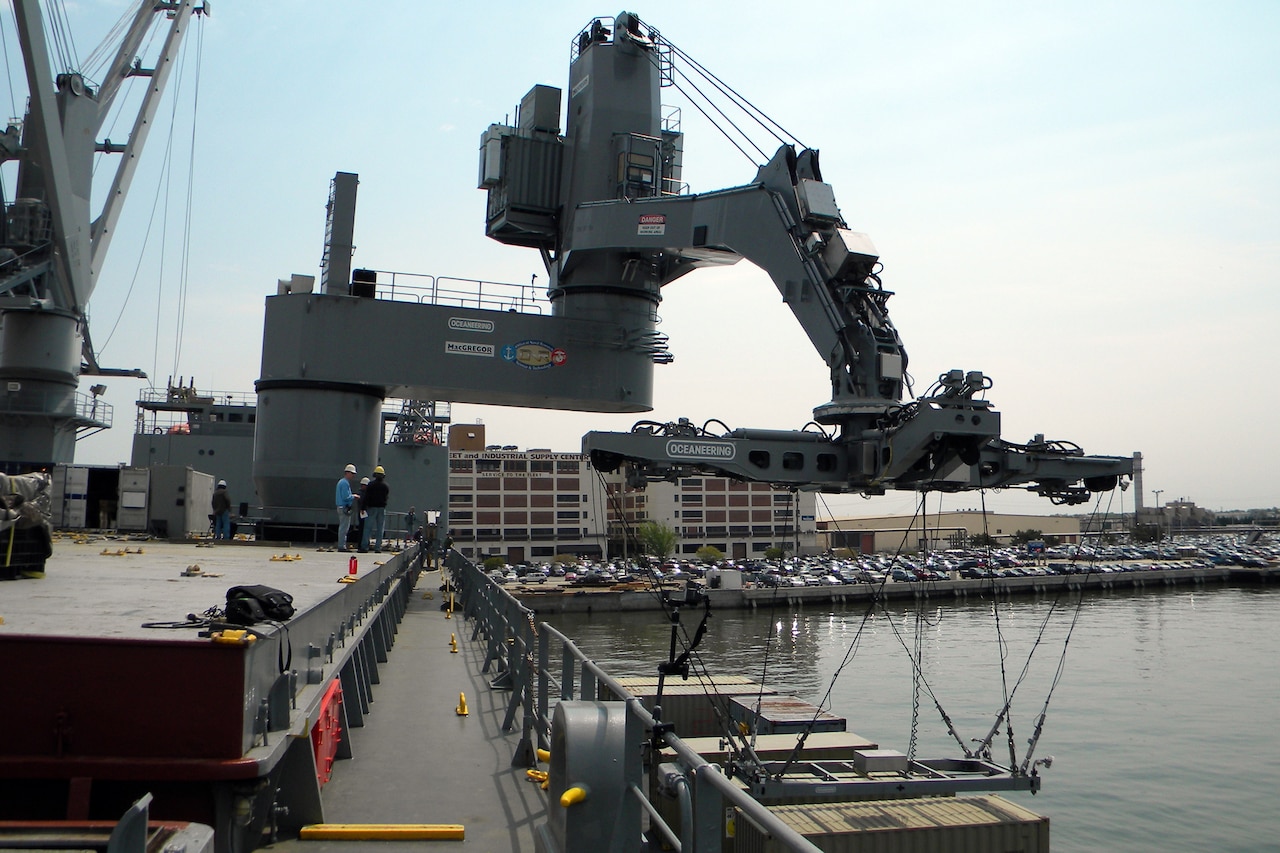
column 1082, row 201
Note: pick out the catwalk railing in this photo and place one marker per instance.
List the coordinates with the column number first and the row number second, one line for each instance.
column 519, row 651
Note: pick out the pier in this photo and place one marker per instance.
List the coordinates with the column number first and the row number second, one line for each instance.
column 551, row 599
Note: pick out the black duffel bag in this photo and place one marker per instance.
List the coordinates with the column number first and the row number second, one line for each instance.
column 247, row 605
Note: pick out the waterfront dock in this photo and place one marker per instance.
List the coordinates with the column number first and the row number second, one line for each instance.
column 548, row 599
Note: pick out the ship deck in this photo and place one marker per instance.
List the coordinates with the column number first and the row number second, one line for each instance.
column 105, row 719
column 417, row 762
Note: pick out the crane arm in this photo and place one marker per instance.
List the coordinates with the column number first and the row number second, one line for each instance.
column 786, row 224
column 603, row 205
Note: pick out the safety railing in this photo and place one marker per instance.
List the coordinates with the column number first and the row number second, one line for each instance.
column 520, row 651
column 184, row 396
column 82, row 410
column 461, row 292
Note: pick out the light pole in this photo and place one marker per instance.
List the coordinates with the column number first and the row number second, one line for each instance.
column 1159, row 517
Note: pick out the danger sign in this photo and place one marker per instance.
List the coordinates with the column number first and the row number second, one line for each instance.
column 652, row 223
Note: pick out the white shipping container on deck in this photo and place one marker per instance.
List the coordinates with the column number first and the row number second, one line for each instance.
column 180, row 501
column 132, row 513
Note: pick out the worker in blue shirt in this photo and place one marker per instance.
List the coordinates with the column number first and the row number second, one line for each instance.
column 342, row 498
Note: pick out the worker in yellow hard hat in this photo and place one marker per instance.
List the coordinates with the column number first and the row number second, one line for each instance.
column 375, row 503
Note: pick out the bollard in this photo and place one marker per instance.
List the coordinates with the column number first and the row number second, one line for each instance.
column 461, row 710
column 453, row 643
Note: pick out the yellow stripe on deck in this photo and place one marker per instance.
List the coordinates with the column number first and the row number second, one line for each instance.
column 383, row 832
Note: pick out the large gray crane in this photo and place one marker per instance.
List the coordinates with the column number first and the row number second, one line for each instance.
column 604, row 206
column 51, row 250
column 617, row 230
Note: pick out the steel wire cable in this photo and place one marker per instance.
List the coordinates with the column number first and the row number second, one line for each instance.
column 656, row 61
column 699, row 671
column 1062, row 657
column 1001, row 646
column 764, row 669
column 145, row 240
column 732, row 141
column 771, row 126
column 1053, row 607
column 64, row 36
column 876, row 601
column 917, row 670
column 185, row 274
column 8, row 68
column 739, row 745
column 146, row 236
column 711, row 103
column 94, row 66
column 117, row 105
column 179, row 321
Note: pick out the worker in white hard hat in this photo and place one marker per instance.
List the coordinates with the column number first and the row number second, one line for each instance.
column 374, row 501
column 359, row 517
column 343, row 497
column 221, row 504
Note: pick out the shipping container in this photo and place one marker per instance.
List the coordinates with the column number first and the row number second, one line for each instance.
column 957, row 825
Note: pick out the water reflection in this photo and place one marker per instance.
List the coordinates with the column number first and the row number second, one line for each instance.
column 1162, row 697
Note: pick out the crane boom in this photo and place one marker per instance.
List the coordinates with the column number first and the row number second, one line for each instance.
column 50, row 249
column 613, row 231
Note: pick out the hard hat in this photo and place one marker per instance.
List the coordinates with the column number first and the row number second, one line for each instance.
column 350, row 469
column 364, row 481
column 379, row 470
column 222, row 484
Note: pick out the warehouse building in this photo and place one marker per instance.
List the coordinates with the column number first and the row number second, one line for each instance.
column 530, row 505
column 939, row 531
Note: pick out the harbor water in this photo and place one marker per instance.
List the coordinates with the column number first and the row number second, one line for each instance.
column 1161, row 714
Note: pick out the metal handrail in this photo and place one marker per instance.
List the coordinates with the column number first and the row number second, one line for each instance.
column 512, row 639
column 424, row 289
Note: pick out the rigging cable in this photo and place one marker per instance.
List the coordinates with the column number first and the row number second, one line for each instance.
column 8, row 71
column 876, row 601
column 117, row 108
column 739, row 745
column 599, row 504
column 780, row 133
column 1061, row 662
column 162, row 189
column 64, row 42
column 181, row 301
column 146, row 236
column 117, row 105
column 185, row 273
column 700, row 672
column 1027, row 766
column 918, row 672
column 764, row 669
column 95, row 64
column 1001, row 645
column 917, row 651
column 732, row 96
column 867, row 614
column 732, row 141
column 721, row 112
